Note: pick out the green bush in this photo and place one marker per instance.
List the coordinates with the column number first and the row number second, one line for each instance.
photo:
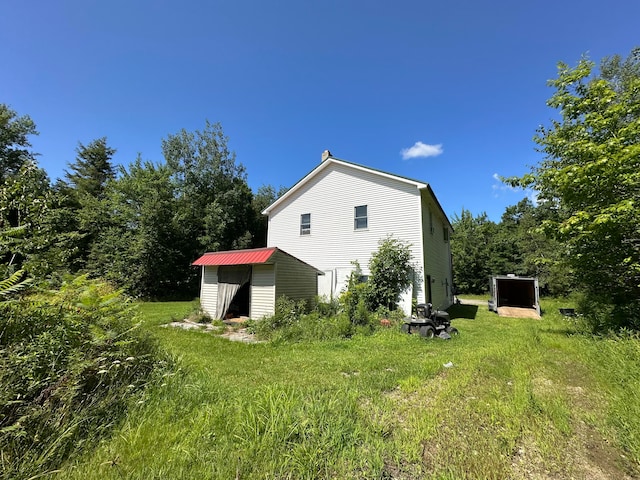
column 392, row 273
column 326, row 308
column 600, row 315
column 70, row 363
column 290, row 323
column 287, row 313
column 354, row 299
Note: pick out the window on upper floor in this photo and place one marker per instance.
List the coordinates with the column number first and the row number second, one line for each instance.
column 445, row 232
column 305, row 224
column 360, row 221
column 431, row 229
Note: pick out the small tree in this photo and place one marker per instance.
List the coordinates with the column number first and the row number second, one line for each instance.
column 391, row 273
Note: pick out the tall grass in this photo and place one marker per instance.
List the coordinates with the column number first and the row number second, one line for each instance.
column 508, row 398
column 70, row 361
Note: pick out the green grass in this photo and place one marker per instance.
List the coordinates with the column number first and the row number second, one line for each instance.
column 524, row 399
column 158, row 313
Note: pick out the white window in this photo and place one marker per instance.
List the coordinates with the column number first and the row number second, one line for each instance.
column 445, row 232
column 360, row 220
column 305, row 224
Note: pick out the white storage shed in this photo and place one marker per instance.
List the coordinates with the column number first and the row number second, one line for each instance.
column 246, row 283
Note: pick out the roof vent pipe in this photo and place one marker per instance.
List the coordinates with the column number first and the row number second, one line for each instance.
column 326, row 154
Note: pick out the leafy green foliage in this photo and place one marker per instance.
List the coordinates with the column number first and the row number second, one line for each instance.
column 14, row 141
column 262, row 198
column 214, row 208
column 591, row 177
column 292, row 322
column 32, row 233
column 142, row 246
column 140, row 229
column 14, row 284
column 518, row 245
column 354, row 298
column 470, row 248
column 70, row 362
column 391, row 273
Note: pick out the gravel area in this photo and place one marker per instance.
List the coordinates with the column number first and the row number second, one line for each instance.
column 230, row 331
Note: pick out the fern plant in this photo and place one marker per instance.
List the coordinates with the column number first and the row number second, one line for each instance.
column 14, row 284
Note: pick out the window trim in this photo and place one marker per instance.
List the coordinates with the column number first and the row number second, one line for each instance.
column 305, row 227
column 357, row 218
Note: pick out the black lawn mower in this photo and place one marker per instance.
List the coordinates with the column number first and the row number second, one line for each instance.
column 429, row 323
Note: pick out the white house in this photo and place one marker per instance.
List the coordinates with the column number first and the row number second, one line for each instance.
column 340, row 211
column 247, row 282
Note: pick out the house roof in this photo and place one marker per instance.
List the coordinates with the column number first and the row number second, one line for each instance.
column 420, row 185
column 252, row 256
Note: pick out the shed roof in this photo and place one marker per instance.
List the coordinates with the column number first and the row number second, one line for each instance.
column 252, row 256
column 237, row 257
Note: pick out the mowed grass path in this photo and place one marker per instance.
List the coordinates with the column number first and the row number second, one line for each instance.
column 523, row 399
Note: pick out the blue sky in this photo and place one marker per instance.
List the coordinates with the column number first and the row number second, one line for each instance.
column 446, row 92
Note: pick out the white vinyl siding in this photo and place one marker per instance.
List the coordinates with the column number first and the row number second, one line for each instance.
column 437, row 256
column 209, row 291
column 263, row 291
column 393, row 208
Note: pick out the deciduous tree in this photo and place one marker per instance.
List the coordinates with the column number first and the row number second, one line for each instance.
column 214, row 200
column 591, row 176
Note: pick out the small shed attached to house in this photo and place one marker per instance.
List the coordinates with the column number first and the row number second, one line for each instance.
column 246, row 283
column 513, row 296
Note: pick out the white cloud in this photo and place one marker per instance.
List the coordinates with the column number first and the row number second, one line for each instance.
column 421, row 150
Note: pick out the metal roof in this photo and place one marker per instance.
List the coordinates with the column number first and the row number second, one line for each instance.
column 236, row 257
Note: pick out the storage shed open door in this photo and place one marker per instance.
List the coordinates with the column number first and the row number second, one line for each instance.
column 515, row 292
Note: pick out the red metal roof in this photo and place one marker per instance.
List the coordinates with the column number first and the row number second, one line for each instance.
column 236, row 257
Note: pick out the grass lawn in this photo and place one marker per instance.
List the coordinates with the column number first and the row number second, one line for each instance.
column 523, row 399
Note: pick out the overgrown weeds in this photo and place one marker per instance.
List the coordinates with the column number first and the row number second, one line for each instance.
column 292, row 322
column 70, row 362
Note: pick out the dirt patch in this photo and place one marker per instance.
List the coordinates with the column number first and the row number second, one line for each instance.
column 518, row 312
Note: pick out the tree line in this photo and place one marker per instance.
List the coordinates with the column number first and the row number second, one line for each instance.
column 138, row 226
column 516, row 245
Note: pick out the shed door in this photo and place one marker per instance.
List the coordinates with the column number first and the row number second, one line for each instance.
column 230, row 279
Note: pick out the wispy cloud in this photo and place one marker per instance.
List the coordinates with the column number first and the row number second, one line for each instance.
column 421, row 150
column 500, row 186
